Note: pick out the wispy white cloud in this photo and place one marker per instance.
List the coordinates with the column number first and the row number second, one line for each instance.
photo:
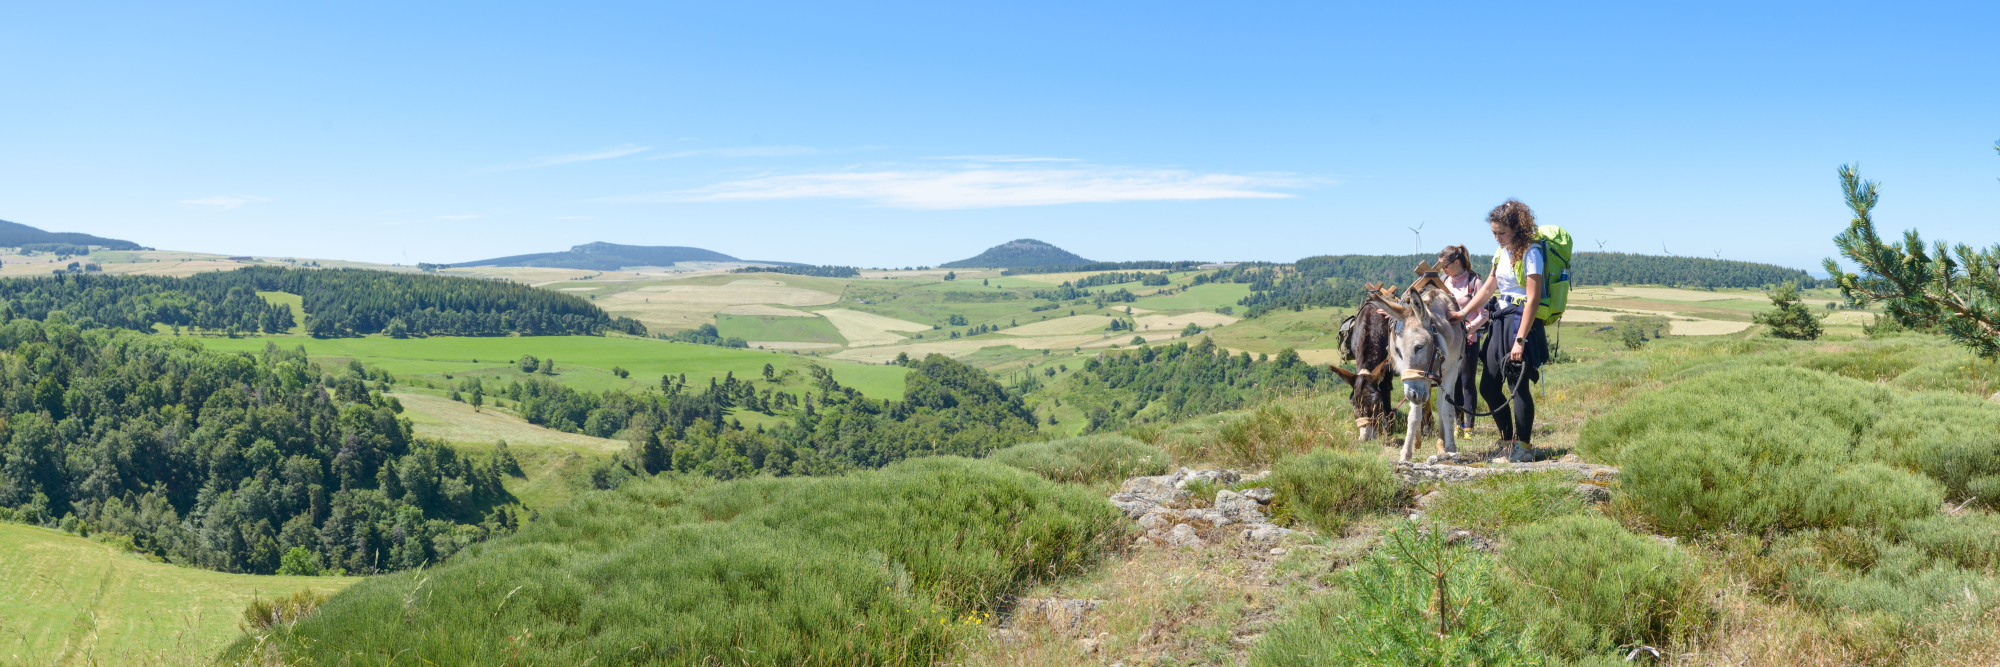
column 460, row 217
column 1003, row 158
column 988, row 187
column 746, row 151
column 553, row 160
column 224, row 202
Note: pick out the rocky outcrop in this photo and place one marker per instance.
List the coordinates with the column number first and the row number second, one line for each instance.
column 1161, row 505
column 1412, row 473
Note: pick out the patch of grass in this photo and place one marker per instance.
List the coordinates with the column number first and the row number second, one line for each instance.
column 1386, row 611
column 1085, row 459
column 1327, row 488
column 1495, row 503
column 1257, row 437
column 1584, row 586
column 895, row 566
column 773, row 328
column 68, row 600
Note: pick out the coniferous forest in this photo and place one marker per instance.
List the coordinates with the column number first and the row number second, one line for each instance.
column 342, row 302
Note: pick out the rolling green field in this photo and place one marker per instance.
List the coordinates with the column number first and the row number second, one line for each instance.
column 1202, row 297
column 583, row 362
column 770, row 328
column 66, row 600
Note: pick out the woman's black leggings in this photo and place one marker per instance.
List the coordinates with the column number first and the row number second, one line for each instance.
column 1516, row 419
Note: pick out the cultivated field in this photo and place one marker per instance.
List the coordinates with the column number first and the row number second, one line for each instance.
column 866, row 329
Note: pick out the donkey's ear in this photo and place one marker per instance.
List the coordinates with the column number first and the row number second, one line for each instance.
column 1380, row 368
column 1343, row 373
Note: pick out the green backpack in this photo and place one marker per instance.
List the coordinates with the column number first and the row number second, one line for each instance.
column 1556, row 245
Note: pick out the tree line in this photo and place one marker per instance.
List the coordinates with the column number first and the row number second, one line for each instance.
column 339, row 302
column 820, row 271
column 229, row 461
column 1147, row 265
column 1337, row 281
column 1180, row 381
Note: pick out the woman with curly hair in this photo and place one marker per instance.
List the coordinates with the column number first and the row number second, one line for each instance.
column 1515, row 346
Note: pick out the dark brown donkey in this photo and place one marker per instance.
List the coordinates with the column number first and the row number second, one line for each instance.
column 1368, row 345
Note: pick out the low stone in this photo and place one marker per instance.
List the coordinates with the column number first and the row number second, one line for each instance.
column 1255, row 476
column 1238, row 508
column 1262, row 494
column 1061, row 614
column 1158, row 517
column 1211, row 477
column 1593, row 493
column 1457, row 536
column 1570, row 458
column 1266, row 533
column 1424, row 502
column 1183, row 536
column 1460, row 458
column 1212, row 516
column 1160, row 489
column 1416, row 517
column 1133, row 506
column 1278, row 551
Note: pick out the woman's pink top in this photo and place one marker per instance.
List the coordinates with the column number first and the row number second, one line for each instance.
column 1463, row 287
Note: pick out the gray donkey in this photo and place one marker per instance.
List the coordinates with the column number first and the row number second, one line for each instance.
column 1426, row 348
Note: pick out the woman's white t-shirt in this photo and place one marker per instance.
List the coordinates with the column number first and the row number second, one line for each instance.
column 1508, row 284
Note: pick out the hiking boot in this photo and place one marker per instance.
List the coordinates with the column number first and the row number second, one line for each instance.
column 1521, row 453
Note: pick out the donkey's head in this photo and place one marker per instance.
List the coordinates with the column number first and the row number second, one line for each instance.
column 1419, row 343
column 1372, row 412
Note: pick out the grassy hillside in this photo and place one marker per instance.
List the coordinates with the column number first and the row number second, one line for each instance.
column 66, row 600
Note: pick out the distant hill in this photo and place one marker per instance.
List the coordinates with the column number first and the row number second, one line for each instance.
column 1019, row 253
column 15, row 235
column 602, row 256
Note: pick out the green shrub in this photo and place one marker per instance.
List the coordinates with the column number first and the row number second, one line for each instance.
column 1497, row 502
column 1913, row 592
column 1385, row 612
column 1584, row 585
column 881, row 567
column 1328, row 488
column 1971, row 540
column 1260, row 436
column 1758, row 448
column 265, row 614
column 1951, row 438
column 1085, row 459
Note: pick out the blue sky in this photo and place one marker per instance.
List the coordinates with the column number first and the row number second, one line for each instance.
column 884, row 134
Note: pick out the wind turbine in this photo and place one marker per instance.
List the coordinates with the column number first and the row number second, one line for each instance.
column 1419, row 231
column 1600, row 245
column 1718, row 254
column 1663, row 248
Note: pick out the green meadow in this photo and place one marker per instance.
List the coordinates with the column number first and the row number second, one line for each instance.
column 69, row 600
column 773, row 328
column 583, row 362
